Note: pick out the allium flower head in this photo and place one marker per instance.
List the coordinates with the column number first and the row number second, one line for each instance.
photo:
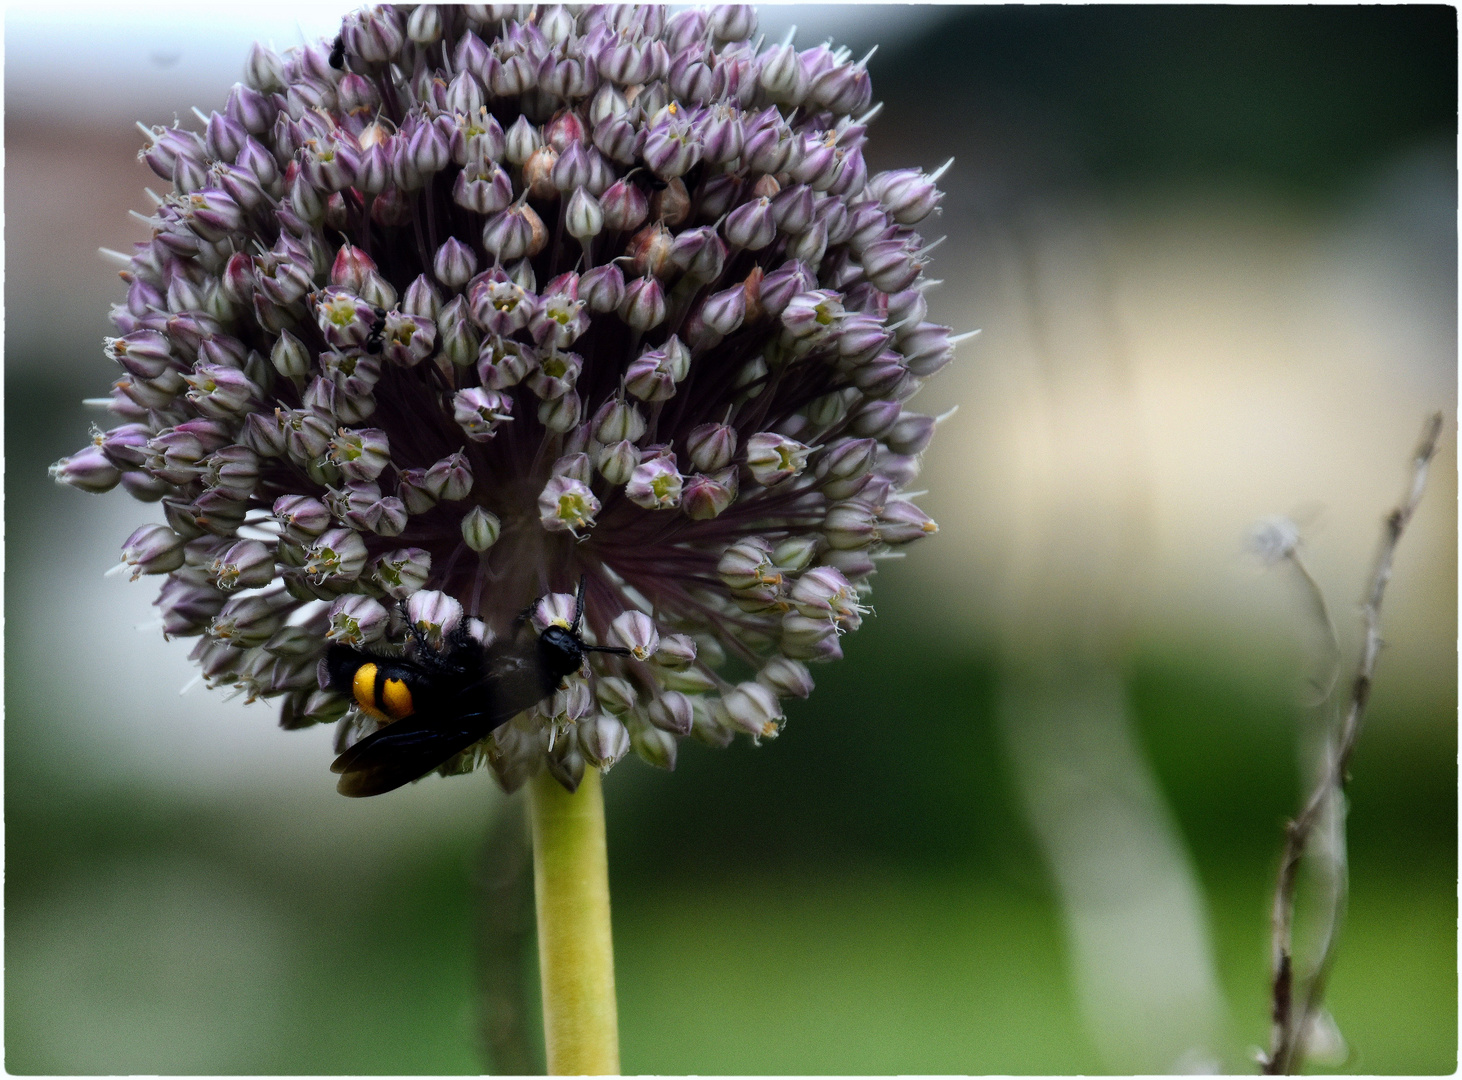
column 484, row 300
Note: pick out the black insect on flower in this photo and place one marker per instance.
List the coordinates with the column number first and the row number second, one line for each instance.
column 440, row 702
column 518, row 298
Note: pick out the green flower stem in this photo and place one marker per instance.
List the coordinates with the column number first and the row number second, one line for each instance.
column 575, row 947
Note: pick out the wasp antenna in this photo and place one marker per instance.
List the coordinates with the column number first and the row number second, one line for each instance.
column 579, row 603
column 613, row 650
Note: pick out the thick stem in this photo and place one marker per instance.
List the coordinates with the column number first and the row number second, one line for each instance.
column 575, row 949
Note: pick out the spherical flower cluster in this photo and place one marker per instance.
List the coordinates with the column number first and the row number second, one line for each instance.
column 475, row 302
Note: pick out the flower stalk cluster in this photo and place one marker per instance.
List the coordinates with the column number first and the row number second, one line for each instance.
column 483, row 300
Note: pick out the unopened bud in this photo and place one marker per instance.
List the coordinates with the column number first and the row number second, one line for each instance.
column 480, row 529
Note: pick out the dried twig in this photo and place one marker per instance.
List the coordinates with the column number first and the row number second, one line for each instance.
column 1286, row 1048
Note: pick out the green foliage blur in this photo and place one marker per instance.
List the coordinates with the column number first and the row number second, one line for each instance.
column 860, row 895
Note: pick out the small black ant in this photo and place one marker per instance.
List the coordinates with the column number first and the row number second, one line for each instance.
column 373, row 339
column 337, row 52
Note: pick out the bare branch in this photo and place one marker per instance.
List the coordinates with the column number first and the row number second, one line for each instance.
column 1286, row 1048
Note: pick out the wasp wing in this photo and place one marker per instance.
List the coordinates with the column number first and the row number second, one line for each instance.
column 409, row 749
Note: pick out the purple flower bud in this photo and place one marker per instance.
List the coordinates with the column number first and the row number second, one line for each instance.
column 500, row 305
column 263, row 70
column 861, row 337
column 253, row 111
column 376, row 35
column 655, row 484
column 885, row 376
column 780, row 75
column 785, row 677
column 724, row 311
column 751, row 226
column 779, row 287
column 643, row 306
column 361, row 455
column 889, row 265
column 705, row 496
column 502, row 364
column 711, row 446
column 602, row 288
column 618, row 419
column 481, row 412
column 901, row 521
column 909, row 195
column 812, row 316
column 617, row 461
column 356, row 621
column 450, row 479
column 306, row 435
column 811, row 246
column 690, row 76
column 560, row 317
column 911, row 433
column 301, row 518
column 338, row 555
column 671, row 148
column 187, row 606
column 847, row 459
column 433, row 613
column 843, row 89
column 125, row 445
column 555, row 375
column 747, row 564
column 616, row 695
column 484, row 189
column 625, row 206
column 249, row 564
column 672, row 712
column 521, row 139
column 805, row 638
column 411, row 489
column 246, row 622
column 635, row 631
column 422, row 298
column 234, row 470
column 567, row 505
column 221, row 392
column 927, row 348
column 455, row 263
column 699, row 253
column 649, row 377
column 603, row 740
column 773, row 458
column 513, row 233
column 874, row 419
column 152, row 549
column 146, row 354
column 402, row 572
column 480, row 529
column 849, row 525
column 753, row 708
column 853, row 565
column 732, row 22
column 792, row 209
column 584, row 219
column 656, row 747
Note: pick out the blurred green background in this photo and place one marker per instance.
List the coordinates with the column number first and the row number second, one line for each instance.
column 185, row 893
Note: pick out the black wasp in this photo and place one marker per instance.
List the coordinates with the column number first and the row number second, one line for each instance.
column 378, row 327
column 337, row 52
column 441, row 701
